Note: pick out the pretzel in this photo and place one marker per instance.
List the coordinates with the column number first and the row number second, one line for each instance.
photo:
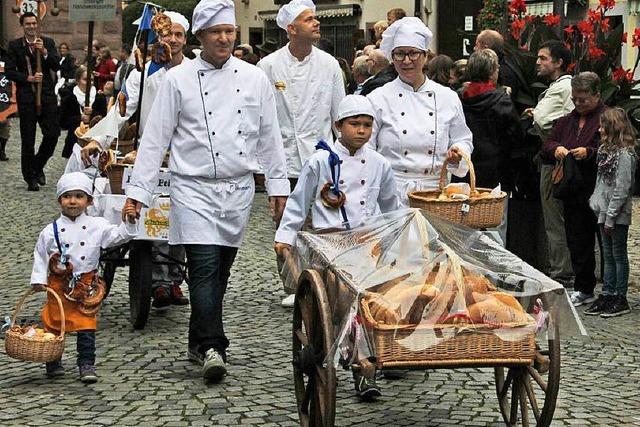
column 122, row 104
column 139, row 60
column 106, row 159
column 161, row 24
column 161, row 52
column 130, row 158
column 332, row 201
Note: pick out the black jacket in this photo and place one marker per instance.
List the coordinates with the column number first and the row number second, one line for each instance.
column 68, row 67
column 16, row 66
column 385, row 76
column 71, row 110
column 497, row 131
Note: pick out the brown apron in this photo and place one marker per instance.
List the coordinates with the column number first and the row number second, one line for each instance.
column 75, row 320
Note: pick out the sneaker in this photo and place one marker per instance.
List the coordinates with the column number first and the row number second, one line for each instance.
column 213, row 368
column 289, row 301
column 177, row 298
column 366, row 388
column 195, row 356
column 598, row 307
column 161, row 297
column 617, row 307
column 55, row 369
column 580, row 298
column 88, row 374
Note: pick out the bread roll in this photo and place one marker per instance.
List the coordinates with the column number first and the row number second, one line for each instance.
column 494, row 312
column 508, row 300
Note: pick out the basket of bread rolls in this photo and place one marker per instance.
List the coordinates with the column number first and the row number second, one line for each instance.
column 462, row 203
column 446, row 313
column 126, row 140
column 32, row 343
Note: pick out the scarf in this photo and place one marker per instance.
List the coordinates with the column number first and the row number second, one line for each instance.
column 477, row 88
column 608, row 156
column 80, row 95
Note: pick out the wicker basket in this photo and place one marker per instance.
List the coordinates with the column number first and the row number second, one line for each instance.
column 34, row 349
column 124, row 146
column 475, row 213
column 475, row 345
column 115, row 172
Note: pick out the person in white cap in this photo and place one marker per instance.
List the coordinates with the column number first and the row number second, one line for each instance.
column 418, row 122
column 65, row 259
column 218, row 113
column 166, row 279
column 307, row 83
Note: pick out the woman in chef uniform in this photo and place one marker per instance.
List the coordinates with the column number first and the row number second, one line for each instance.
column 418, row 123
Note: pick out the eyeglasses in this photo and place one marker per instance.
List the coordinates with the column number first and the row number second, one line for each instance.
column 400, row 56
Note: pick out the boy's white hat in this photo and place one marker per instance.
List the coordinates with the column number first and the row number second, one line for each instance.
column 354, row 105
column 208, row 13
column 289, row 12
column 409, row 31
column 74, row 181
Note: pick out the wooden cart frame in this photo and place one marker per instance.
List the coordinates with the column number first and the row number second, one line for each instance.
column 526, row 388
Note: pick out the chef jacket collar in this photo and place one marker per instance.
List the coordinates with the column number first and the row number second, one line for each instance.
column 293, row 59
column 343, row 151
column 207, row 65
column 65, row 219
column 427, row 86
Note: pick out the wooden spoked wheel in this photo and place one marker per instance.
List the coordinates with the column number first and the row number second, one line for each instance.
column 528, row 394
column 315, row 380
column 140, row 277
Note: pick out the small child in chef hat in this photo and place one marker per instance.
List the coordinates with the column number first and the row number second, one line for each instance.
column 341, row 185
column 66, row 260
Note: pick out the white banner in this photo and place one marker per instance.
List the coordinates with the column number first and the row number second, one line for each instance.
column 162, row 186
column 92, row 10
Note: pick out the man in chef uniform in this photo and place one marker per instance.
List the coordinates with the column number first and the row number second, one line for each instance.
column 219, row 115
column 165, row 279
column 419, row 123
column 308, row 87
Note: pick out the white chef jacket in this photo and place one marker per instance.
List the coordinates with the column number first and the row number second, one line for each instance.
column 222, row 125
column 415, row 129
column 366, row 179
column 308, row 94
column 82, row 240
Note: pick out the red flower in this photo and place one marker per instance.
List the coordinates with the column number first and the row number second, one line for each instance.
column 530, row 18
column 594, row 16
column 517, row 6
column 551, row 20
column 571, row 67
column 621, row 75
column 569, row 30
column 635, row 40
column 595, row 52
column 604, row 25
column 607, row 4
column 624, row 37
column 516, row 28
column 586, row 28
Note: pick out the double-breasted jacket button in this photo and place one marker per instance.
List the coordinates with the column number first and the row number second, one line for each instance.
column 406, row 152
column 430, row 94
column 341, row 181
column 430, row 152
column 206, row 93
column 400, row 95
column 84, row 227
column 362, row 161
column 431, row 113
column 62, row 230
column 362, row 202
column 362, row 182
column 66, row 245
column 404, row 131
column 81, row 243
column 432, row 132
column 82, row 258
column 201, row 74
column 402, row 114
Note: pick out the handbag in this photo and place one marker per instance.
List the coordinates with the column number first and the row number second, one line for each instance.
column 567, row 179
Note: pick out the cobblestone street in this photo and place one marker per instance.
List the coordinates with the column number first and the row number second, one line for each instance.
column 146, row 379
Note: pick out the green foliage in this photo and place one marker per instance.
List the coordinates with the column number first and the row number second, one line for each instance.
column 493, row 14
column 134, row 10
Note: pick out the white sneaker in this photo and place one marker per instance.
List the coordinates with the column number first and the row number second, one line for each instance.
column 580, row 298
column 289, row 301
column 213, row 368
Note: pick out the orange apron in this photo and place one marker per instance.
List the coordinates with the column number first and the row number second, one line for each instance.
column 75, row 320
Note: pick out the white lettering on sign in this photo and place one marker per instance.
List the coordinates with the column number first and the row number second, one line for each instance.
column 468, row 23
column 92, row 10
column 163, row 186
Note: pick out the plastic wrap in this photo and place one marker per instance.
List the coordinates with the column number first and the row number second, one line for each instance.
column 407, row 290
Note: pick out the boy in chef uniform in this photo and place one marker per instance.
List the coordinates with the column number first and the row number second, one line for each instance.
column 340, row 187
column 66, row 260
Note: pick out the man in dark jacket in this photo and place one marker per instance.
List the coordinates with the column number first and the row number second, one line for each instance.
column 21, row 68
column 380, row 70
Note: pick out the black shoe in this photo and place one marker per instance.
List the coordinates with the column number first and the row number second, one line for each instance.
column 88, row 374
column 55, row 369
column 366, row 388
column 617, row 307
column 32, row 185
column 42, row 180
column 3, row 154
column 600, row 305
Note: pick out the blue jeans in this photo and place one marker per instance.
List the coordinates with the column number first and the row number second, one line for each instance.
column 209, row 268
column 616, row 260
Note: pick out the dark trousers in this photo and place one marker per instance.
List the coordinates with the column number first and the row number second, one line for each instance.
column 86, row 347
column 580, row 225
column 69, row 141
column 209, row 268
column 33, row 163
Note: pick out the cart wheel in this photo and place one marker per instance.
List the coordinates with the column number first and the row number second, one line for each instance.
column 140, row 266
column 313, row 337
column 533, row 389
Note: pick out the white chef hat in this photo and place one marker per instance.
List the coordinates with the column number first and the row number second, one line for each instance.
column 213, row 12
column 409, row 31
column 354, row 105
column 74, row 181
column 289, row 12
column 178, row 18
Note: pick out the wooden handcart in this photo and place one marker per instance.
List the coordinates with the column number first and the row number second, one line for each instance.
column 527, row 371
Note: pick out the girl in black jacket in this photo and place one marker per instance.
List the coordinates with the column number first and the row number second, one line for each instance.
column 72, row 110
